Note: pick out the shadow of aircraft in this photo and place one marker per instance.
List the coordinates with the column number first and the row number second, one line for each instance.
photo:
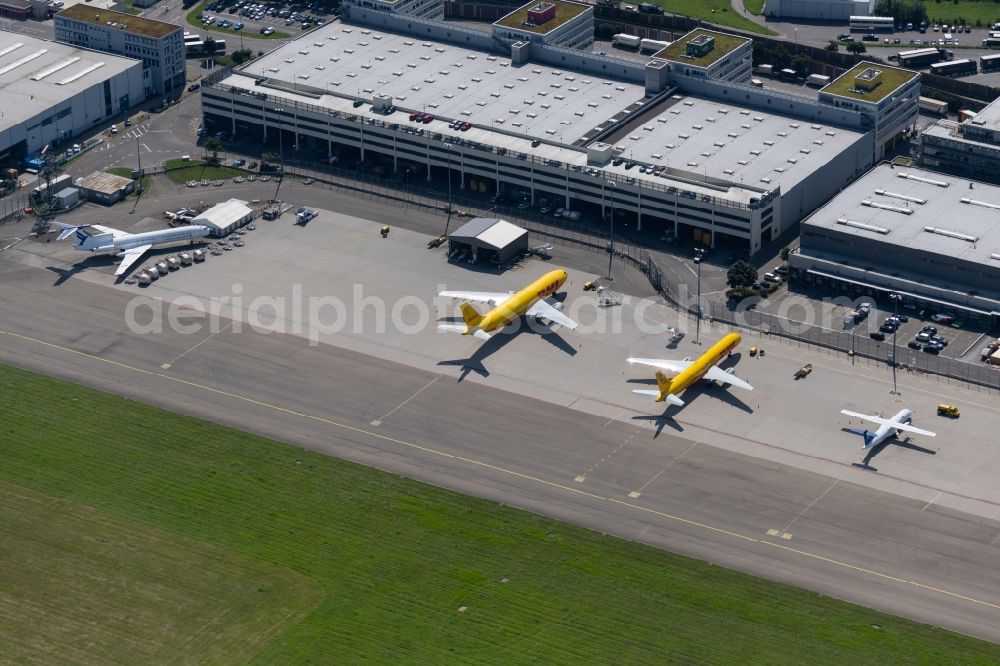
column 65, row 274
column 876, row 450
column 500, row 339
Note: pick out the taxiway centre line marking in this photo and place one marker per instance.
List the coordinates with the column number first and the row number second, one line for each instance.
column 668, row 466
column 393, row 410
column 933, row 499
column 166, row 366
column 811, row 504
column 520, row 475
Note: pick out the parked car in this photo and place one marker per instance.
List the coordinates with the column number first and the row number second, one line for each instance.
column 845, row 37
column 193, row 87
column 932, row 349
column 943, row 318
column 938, row 340
column 877, row 335
column 239, row 163
column 913, row 344
column 923, row 336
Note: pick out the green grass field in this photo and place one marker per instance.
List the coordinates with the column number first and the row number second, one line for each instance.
column 719, row 12
column 181, row 171
column 394, row 559
column 111, row 590
column 986, row 12
column 755, row 7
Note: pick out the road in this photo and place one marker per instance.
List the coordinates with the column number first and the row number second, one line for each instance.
column 843, row 533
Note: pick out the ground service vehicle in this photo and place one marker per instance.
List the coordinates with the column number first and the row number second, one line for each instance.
column 948, row 410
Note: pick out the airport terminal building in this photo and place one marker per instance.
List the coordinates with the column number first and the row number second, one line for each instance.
column 54, row 92
column 931, row 237
column 681, row 142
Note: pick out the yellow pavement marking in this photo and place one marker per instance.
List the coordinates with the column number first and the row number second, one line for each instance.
column 526, row 477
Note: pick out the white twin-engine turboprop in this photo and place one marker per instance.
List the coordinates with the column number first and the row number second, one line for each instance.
column 886, row 427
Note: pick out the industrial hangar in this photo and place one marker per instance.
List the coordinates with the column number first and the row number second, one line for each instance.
column 682, row 142
column 490, row 239
column 53, row 92
column 931, row 237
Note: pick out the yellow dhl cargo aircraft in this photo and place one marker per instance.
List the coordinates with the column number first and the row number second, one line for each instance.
column 687, row 372
column 508, row 306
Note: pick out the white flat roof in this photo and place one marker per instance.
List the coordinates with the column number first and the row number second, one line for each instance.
column 36, row 74
column 449, row 81
column 739, row 144
column 224, row 214
column 501, row 234
column 940, row 222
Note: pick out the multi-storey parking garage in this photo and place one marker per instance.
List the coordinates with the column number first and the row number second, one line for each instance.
column 662, row 141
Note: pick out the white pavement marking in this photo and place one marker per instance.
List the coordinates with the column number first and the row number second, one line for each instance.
column 668, row 466
column 803, row 511
column 393, row 410
column 618, row 448
column 7, row 247
column 166, row 366
column 933, row 499
column 147, row 148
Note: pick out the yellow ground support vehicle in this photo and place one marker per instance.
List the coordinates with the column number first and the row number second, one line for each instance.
column 948, row 410
column 803, row 371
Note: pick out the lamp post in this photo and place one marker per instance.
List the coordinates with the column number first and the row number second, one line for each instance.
column 611, row 243
column 697, row 325
column 896, row 298
column 281, row 153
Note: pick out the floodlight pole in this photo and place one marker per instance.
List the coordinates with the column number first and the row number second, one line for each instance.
column 895, row 311
column 697, row 325
column 611, row 244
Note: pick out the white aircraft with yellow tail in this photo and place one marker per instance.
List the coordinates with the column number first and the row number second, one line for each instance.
column 508, row 306
column 688, row 372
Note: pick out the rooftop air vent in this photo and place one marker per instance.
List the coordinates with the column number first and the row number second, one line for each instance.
column 951, row 234
column 854, row 224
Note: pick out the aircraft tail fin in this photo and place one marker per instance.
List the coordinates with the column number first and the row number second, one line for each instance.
column 471, row 315
column 869, row 438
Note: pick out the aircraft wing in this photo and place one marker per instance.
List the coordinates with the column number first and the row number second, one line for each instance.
column 129, row 257
column 675, row 367
column 905, row 427
column 478, row 296
column 720, row 375
column 543, row 309
column 115, row 233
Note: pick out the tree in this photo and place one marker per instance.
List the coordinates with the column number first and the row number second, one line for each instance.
column 242, row 55
column 856, row 48
column 741, row 274
column 783, row 255
column 800, row 64
column 833, row 45
column 213, row 145
column 209, row 44
column 268, row 159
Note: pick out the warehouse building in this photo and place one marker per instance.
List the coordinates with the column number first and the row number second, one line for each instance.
column 488, row 239
column 105, row 188
column 677, row 143
column 821, row 10
column 53, row 92
column 970, row 148
column 159, row 45
column 933, row 238
column 224, row 218
column 19, row 9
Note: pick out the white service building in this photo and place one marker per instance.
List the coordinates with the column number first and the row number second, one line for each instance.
column 224, row 218
column 53, row 92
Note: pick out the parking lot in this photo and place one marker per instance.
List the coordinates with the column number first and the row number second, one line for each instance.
column 962, row 339
column 263, row 18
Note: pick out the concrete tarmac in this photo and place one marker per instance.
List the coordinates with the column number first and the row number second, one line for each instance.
column 916, row 538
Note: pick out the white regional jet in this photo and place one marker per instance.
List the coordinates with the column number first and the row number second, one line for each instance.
column 105, row 240
column 886, row 427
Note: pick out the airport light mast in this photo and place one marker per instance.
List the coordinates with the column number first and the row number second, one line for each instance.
column 611, row 243
column 896, row 298
column 697, row 325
